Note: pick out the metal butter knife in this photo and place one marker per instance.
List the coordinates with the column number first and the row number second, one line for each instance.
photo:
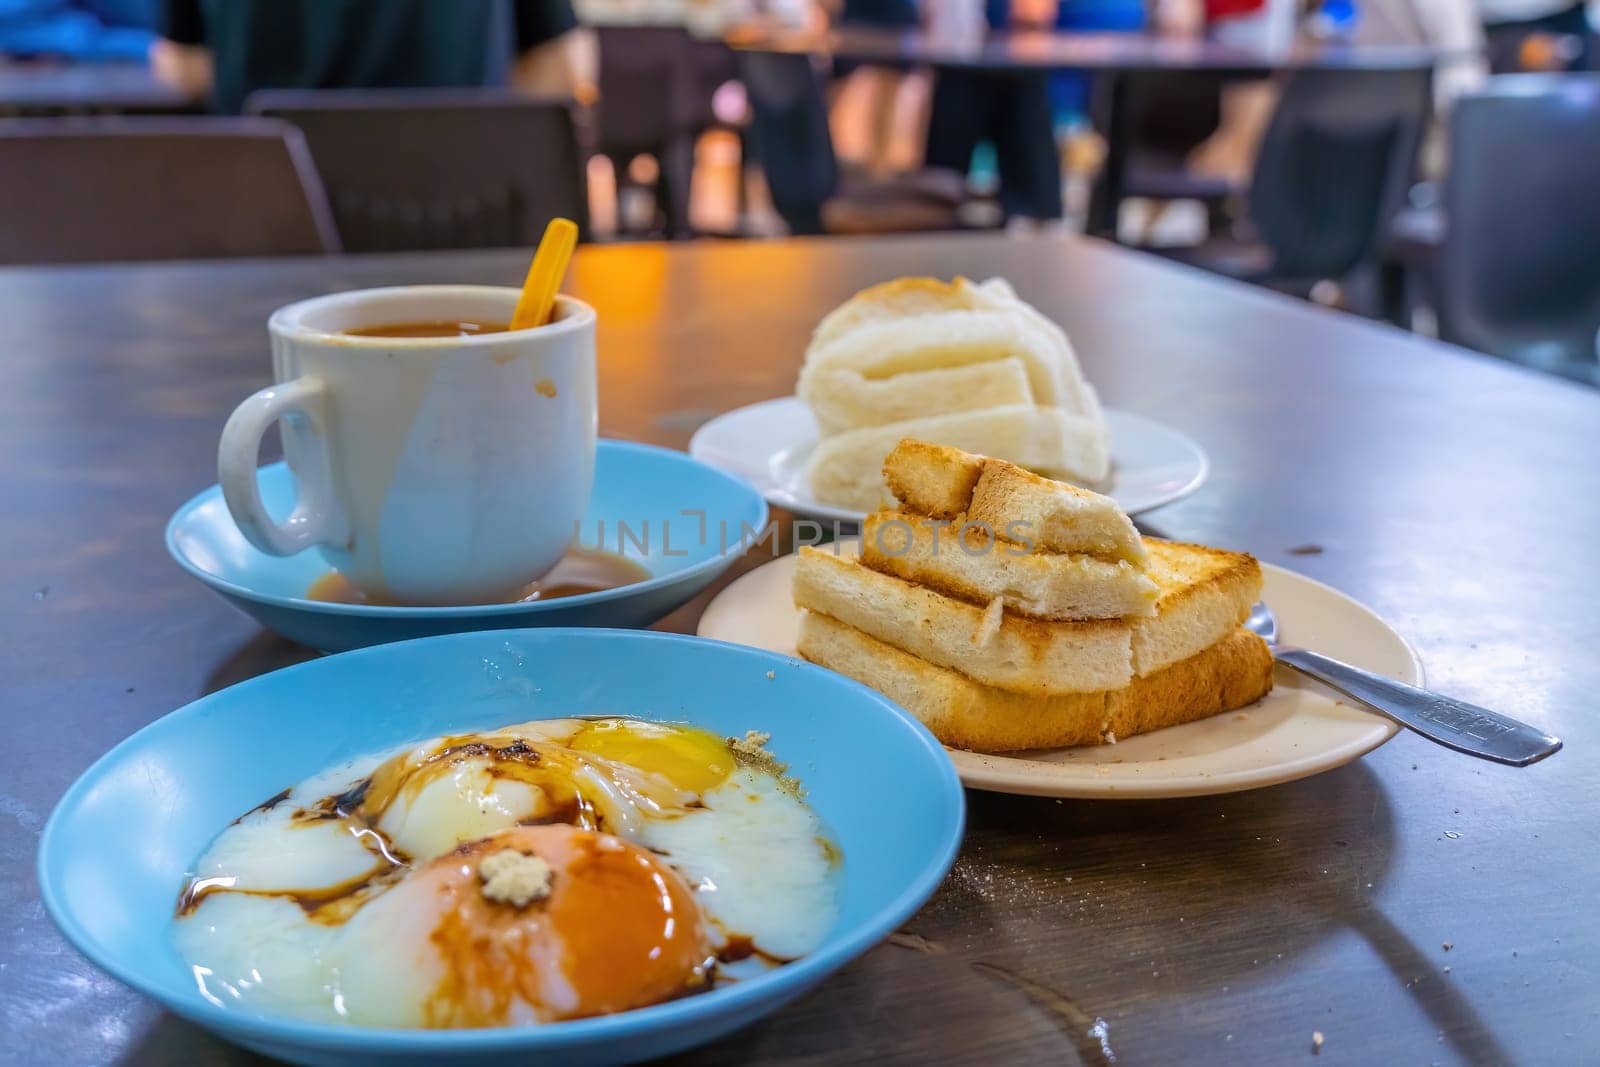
column 1452, row 723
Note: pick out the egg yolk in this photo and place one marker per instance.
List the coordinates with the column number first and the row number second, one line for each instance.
column 693, row 760
column 618, row 930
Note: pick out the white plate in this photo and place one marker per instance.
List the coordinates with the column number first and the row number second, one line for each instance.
column 1299, row 729
column 768, row 443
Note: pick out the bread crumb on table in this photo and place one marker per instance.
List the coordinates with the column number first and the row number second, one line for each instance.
column 771, row 675
column 515, row 878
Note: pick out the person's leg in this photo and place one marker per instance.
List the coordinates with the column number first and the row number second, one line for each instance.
column 958, row 113
column 883, row 96
column 1025, row 148
column 673, row 184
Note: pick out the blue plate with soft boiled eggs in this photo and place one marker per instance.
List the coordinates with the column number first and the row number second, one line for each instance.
column 115, row 854
column 681, row 520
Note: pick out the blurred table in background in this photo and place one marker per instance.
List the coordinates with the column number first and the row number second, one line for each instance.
column 1048, row 51
column 52, row 88
column 1112, row 57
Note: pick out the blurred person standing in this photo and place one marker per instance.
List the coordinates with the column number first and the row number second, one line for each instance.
column 881, row 84
column 1011, row 109
column 1246, row 105
column 227, row 49
column 1451, row 27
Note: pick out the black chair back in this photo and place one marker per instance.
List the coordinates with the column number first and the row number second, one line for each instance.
column 425, row 168
column 649, row 88
column 655, row 98
column 1334, row 167
column 87, row 190
column 789, row 135
column 1170, row 114
column 1519, row 270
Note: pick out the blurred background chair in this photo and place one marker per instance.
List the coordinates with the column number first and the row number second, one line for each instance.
column 652, row 103
column 789, row 136
column 1332, row 171
column 1518, row 273
column 438, row 168
column 1168, row 116
column 127, row 189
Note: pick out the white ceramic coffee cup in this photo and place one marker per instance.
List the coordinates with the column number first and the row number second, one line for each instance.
column 429, row 470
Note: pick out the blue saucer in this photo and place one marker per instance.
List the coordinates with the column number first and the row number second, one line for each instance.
column 634, row 484
column 114, row 853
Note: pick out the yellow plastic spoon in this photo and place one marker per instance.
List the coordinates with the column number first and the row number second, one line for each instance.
column 544, row 275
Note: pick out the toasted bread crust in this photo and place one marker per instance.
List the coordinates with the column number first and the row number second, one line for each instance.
column 932, row 480
column 1027, row 655
column 966, row 714
column 1019, row 505
column 1052, row 515
column 1199, row 565
column 1230, row 674
column 1205, row 592
column 968, row 562
column 960, row 712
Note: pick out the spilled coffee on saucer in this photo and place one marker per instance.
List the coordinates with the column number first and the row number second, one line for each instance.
column 579, row 571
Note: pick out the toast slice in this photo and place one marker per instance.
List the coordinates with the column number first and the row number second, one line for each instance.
column 969, row 562
column 932, row 480
column 962, row 713
column 1006, row 651
column 1015, row 503
column 846, row 469
column 1229, row 674
column 843, row 399
column 1204, row 594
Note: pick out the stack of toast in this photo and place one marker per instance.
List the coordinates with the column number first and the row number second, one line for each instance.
column 1008, row 611
column 953, row 363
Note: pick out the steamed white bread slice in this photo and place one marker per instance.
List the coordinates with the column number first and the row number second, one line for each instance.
column 899, row 299
column 1085, row 400
column 918, row 324
column 846, row 400
column 946, row 339
column 846, row 470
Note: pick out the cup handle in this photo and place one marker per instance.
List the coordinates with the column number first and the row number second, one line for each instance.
column 317, row 517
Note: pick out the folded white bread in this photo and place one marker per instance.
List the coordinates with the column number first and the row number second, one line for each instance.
column 898, row 357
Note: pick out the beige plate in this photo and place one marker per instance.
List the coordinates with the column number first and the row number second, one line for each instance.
column 1298, row 729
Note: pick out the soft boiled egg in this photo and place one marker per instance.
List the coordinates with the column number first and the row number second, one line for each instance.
column 372, row 893
column 614, row 928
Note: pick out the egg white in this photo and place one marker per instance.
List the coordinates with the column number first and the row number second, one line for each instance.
column 756, row 859
column 261, row 953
